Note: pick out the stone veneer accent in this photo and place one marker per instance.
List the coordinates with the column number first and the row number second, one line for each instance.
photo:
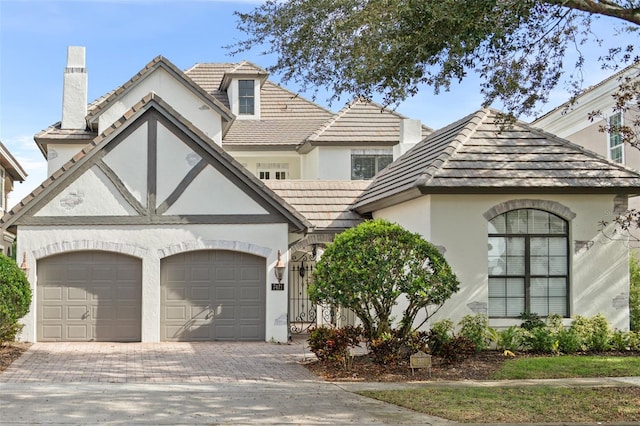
column 310, row 240
column 214, row 245
column 546, row 205
column 77, row 245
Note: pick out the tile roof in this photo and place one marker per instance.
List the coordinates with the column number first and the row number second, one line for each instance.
column 145, row 103
column 476, row 155
column 324, row 203
column 363, row 122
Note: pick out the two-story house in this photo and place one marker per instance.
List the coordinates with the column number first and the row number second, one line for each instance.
column 193, row 205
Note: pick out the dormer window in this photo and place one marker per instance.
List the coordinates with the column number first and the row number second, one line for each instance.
column 246, row 97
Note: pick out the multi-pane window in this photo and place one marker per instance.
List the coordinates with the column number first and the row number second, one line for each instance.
column 616, row 148
column 277, row 171
column 246, row 97
column 366, row 166
column 528, row 264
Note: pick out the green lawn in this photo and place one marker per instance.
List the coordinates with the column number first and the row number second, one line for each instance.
column 559, row 367
column 532, row 404
column 538, row 404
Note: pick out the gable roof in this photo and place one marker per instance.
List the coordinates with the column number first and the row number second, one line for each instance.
column 324, row 203
column 361, row 122
column 97, row 108
column 244, row 68
column 475, row 155
column 151, row 101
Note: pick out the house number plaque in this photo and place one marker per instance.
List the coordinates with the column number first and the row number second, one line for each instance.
column 420, row 360
column 277, row 286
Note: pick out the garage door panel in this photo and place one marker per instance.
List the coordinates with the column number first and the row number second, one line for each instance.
column 214, row 285
column 200, row 293
column 94, row 304
column 52, row 294
column 80, row 312
column 250, row 312
column 76, row 273
column 74, row 293
column 249, row 274
column 200, row 273
column 52, row 312
column 175, row 293
column 225, row 273
column 52, row 332
column 77, row 332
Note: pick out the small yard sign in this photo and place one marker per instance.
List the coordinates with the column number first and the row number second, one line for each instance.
column 420, row 360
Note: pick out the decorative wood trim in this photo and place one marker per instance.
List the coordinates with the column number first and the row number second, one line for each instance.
column 129, row 198
column 227, row 219
column 152, row 163
column 182, row 186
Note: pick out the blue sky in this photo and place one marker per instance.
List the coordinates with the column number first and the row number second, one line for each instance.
column 122, row 36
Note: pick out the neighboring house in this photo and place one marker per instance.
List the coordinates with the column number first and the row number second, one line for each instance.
column 571, row 121
column 533, row 199
column 175, row 202
column 10, row 172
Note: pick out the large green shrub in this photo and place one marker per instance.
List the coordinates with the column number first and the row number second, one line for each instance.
column 476, row 329
column 369, row 267
column 15, row 298
column 634, row 292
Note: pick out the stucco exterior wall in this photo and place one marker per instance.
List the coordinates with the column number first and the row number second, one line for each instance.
column 59, row 154
column 599, row 279
column 310, row 165
column 334, row 163
column 151, row 245
column 175, row 94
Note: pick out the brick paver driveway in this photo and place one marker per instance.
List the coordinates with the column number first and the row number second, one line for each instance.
column 180, row 383
column 210, row 362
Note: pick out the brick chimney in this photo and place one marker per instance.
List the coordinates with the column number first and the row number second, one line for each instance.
column 74, row 92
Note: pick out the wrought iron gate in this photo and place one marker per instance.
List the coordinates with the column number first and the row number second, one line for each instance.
column 304, row 314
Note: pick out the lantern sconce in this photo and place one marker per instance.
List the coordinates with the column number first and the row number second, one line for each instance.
column 279, row 268
column 23, row 265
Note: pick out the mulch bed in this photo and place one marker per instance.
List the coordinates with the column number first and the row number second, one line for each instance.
column 11, row 352
column 479, row 366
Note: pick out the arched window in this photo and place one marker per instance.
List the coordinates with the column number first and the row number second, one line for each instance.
column 528, row 264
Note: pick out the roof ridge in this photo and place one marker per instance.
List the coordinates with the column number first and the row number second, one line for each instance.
column 474, row 121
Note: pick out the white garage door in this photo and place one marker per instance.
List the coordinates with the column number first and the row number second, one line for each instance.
column 89, row 296
column 213, row 295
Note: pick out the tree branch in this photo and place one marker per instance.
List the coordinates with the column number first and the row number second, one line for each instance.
column 602, row 7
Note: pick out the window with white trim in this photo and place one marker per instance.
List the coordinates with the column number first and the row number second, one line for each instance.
column 246, row 97
column 616, row 147
column 365, row 164
column 528, row 257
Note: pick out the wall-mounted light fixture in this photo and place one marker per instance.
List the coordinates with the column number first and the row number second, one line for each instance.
column 279, row 268
column 23, row 265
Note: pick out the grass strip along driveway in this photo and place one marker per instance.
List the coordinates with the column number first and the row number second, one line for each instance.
column 532, row 404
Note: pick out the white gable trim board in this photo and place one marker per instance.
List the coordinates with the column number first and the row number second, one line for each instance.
column 105, row 204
